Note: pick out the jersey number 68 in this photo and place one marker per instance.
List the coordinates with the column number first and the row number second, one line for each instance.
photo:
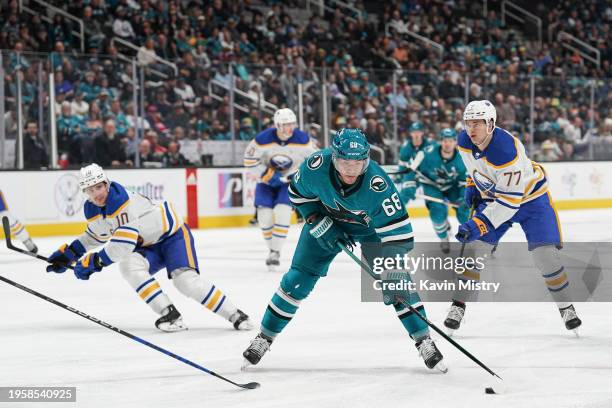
column 392, row 205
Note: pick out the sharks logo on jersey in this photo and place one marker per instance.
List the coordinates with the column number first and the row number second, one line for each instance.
column 378, row 184
column 315, row 162
column 281, row 162
column 484, row 184
column 340, row 213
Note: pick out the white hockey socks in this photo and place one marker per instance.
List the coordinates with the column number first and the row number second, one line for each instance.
column 194, row 286
column 135, row 270
column 265, row 218
column 282, row 218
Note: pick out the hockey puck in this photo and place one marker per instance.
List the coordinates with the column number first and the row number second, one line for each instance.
column 489, row 390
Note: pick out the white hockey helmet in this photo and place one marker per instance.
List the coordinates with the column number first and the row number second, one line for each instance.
column 481, row 110
column 91, row 175
column 282, row 116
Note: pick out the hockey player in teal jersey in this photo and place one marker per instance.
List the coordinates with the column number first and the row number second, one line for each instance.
column 344, row 198
column 411, row 154
column 442, row 175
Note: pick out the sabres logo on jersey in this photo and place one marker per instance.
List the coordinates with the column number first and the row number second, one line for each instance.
column 378, row 184
column 343, row 214
column 281, row 162
column 315, row 162
column 484, row 184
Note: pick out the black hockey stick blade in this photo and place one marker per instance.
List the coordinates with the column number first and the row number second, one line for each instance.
column 9, row 243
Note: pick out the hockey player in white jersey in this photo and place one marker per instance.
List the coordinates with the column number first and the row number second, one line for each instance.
column 274, row 156
column 17, row 228
column 506, row 187
column 143, row 237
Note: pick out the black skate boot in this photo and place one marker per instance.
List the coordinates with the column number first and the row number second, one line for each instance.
column 430, row 354
column 258, row 347
column 240, row 320
column 445, row 245
column 171, row 320
column 273, row 261
column 455, row 315
column 570, row 318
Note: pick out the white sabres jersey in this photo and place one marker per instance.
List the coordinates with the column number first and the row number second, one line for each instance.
column 126, row 221
column 266, row 151
column 502, row 173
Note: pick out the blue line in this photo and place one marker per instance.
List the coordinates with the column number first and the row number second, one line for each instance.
column 510, row 193
column 283, row 226
column 129, row 228
column 154, row 296
column 279, row 236
column 559, row 289
column 506, row 205
column 550, row 275
column 209, row 293
column 219, row 305
column 144, row 284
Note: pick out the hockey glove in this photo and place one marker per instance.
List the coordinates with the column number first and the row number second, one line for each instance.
column 272, row 178
column 474, row 229
column 89, row 264
column 328, row 234
column 61, row 258
column 472, row 196
column 395, row 285
column 407, row 194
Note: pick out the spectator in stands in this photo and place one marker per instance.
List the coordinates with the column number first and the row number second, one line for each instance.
column 109, row 149
column 34, row 149
column 173, row 158
column 122, row 26
column 146, row 155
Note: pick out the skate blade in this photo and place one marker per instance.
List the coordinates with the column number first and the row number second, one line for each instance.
column 449, row 332
column 576, row 332
column 441, row 367
column 171, row 328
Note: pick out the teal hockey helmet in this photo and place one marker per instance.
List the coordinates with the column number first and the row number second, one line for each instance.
column 350, row 144
column 416, row 127
column 448, row 133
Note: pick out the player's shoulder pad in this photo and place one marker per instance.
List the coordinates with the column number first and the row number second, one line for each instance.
column 266, row 137
column 118, row 198
column 299, row 137
column 377, row 179
column 503, row 150
column 92, row 211
column 316, row 161
column 464, row 143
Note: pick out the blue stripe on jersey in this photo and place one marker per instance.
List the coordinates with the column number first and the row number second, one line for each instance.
column 219, row 305
column 144, row 284
column 506, row 205
column 94, row 238
column 209, row 293
column 122, row 241
column 154, row 296
column 559, row 289
column 550, row 275
column 510, row 193
column 129, row 228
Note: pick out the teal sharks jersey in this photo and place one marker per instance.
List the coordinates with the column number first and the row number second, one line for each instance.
column 439, row 172
column 369, row 206
column 408, row 152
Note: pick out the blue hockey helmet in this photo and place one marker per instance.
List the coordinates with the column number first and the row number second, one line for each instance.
column 350, row 144
column 448, row 133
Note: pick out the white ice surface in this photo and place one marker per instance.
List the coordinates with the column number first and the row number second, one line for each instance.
column 337, row 351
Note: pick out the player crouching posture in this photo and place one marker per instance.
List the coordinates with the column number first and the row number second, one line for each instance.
column 344, row 198
column 17, row 229
column 143, row 237
column 506, row 187
column 274, row 156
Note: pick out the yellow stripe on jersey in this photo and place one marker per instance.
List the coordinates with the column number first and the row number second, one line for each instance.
column 187, row 238
column 95, row 217
column 265, row 145
column 473, row 275
column 126, row 234
column 511, row 200
column 214, row 299
column 164, row 219
column 463, row 149
column 178, row 221
column 119, row 209
column 3, row 201
column 152, row 287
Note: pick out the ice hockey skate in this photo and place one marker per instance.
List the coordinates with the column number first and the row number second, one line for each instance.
column 171, row 321
column 258, row 347
column 454, row 317
column 431, row 355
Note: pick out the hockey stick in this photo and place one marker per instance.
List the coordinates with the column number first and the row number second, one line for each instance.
column 419, row 315
column 5, row 223
column 437, row 200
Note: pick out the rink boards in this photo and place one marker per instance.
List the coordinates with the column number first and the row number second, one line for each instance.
column 50, row 202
